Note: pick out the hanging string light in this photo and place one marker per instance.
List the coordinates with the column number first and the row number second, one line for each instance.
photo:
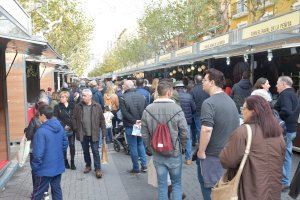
column 192, row 68
column 171, row 74
column 199, row 69
column 179, row 69
column 188, row 70
column 174, row 71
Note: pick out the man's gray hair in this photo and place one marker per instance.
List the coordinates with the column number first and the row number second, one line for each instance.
column 87, row 91
column 129, row 84
column 198, row 79
column 286, row 79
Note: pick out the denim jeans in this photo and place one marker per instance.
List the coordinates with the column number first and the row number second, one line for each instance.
column 173, row 166
column 188, row 148
column 206, row 192
column 108, row 135
column 196, row 133
column 287, row 165
column 87, row 141
column 42, row 186
column 137, row 149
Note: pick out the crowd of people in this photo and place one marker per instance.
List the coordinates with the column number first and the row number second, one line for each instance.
column 166, row 120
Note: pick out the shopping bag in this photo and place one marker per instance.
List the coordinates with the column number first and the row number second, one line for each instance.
column 136, row 131
column 104, row 157
column 23, row 151
column 152, row 177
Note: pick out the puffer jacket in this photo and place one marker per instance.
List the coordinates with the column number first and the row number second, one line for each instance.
column 50, row 141
column 188, row 105
column 163, row 110
column 132, row 105
column 33, row 125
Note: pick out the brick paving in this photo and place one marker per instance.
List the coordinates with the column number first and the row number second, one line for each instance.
column 116, row 184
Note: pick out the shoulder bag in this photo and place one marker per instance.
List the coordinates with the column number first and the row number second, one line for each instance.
column 228, row 190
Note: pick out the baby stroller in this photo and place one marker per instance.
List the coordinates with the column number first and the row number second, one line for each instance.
column 120, row 139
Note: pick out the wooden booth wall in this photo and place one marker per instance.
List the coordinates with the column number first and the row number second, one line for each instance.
column 16, row 96
column 46, row 77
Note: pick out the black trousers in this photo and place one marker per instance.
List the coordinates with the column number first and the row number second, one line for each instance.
column 72, row 147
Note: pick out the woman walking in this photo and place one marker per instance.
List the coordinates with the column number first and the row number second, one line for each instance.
column 64, row 111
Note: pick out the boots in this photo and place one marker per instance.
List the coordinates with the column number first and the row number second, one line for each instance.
column 170, row 191
column 73, row 167
column 67, row 166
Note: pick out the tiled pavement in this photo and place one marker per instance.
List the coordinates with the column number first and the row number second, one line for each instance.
column 116, row 184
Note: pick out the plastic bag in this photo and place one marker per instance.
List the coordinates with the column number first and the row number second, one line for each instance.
column 23, row 151
column 152, row 177
column 136, row 131
column 104, row 157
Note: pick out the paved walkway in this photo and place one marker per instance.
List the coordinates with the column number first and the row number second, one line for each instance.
column 116, row 184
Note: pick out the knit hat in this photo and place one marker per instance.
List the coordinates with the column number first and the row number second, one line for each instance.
column 263, row 93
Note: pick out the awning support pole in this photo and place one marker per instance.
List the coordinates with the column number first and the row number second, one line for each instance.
column 252, row 68
column 43, row 71
column 11, row 65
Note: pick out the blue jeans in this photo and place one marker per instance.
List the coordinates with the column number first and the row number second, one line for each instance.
column 287, row 165
column 188, row 148
column 206, row 192
column 173, row 166
column 87, row 141
column 42, row 185
column 196, row 133
column 137, row 149
column 108, row 135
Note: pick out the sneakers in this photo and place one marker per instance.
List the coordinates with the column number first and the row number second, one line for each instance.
column 132, row 172
column 99, row 173
column 188, row 162
column 285, row 188
column 87, row 169
column 144, row 169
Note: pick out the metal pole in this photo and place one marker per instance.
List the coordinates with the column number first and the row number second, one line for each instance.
column 252, row 69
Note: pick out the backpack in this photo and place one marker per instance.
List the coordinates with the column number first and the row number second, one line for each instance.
column 161, row 140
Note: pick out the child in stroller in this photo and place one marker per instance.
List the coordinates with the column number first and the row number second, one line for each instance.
column 120, row 139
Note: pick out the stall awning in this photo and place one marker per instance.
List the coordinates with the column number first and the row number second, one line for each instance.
column 27, row 46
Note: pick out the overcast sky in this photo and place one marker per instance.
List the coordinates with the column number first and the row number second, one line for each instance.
column 110, row 18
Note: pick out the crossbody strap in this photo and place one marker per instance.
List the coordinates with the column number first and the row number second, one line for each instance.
column 247, row 151
column 157, row 120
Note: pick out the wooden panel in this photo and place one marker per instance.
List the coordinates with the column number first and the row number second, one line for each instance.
column 47, row 77
column 3, row 108
column 16, row 94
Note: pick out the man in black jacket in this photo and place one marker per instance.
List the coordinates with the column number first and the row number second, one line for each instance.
column 132, row 105
column 288, row 107
column 188, row 106
column 199, row 95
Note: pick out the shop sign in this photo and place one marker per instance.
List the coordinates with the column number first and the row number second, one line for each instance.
column 165, row 57
column 184, row 51
column 213, row 43
column 277, row 24
column 150, row 61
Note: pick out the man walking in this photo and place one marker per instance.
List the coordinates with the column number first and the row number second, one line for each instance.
column 165, row 111
column 199, row 95
column 132, row 105
column 87, row 120
column 188, row 106
column 49, row 143
column 288, row 107
column 219, row 118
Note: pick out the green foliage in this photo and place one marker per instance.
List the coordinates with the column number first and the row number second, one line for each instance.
column 70, row 37
column 165, row 28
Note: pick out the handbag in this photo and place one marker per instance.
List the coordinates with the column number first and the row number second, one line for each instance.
column 23, row 151
column 228, row 190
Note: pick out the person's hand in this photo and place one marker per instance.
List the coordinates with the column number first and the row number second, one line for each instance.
column 201, row 155
column 67, row 128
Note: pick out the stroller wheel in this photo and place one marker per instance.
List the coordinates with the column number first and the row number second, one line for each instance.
column 117, row 147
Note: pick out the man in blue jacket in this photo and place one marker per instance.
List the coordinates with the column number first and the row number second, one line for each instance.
column 140, row 89
column 49, row 143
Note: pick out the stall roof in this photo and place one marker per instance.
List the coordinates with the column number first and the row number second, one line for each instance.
column 27, row 46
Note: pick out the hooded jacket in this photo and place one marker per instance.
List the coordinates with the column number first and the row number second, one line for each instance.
column 49, row 143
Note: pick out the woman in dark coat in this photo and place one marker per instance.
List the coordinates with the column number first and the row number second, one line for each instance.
column 262, row 173
column 64, row 111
